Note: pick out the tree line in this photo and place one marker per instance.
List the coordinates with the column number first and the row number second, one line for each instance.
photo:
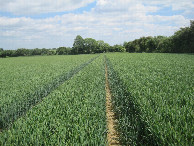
column 181, row 42
column 80, row 46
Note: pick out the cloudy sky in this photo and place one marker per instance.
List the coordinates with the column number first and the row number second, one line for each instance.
column 50, row 24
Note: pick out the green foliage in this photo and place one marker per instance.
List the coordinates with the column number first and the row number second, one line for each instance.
column 153, row 97
column 22, row 52
column 26, row 52
column 102, row 47
column 30, row 81
column 63, row 51
column 73, row 114
column 7, row 53
column 165, row 45
column 36, row 52
column 1, row 51
column 90, row 46
column 181, row 42
column 78, row 45
column 118, row 48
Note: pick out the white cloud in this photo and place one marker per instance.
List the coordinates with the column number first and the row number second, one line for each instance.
column 120, row 6
column 26, row 7
column 186, row 5
column 113, row 21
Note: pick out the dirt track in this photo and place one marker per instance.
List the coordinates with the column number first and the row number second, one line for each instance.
column 112, row 134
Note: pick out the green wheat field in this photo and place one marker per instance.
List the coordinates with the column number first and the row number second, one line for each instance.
column 61, row 100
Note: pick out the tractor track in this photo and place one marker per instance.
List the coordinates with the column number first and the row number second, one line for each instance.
column 112, row 133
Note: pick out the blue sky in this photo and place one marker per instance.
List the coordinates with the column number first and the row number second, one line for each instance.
column 80, row 10
column 166, row 11
column 50, row 24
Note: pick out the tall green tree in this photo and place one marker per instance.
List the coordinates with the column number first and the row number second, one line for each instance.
column 23, row 52
column 78, row 45
column 1, row 51
column 102, row 46
column 183, row 40
column 36, row 51
column 119, row 48
column 63, row 51
column 90, row 45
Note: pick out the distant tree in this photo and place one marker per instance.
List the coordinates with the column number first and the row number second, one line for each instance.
column 90, row 46
column 191, row 37
column 183, row 40
column 106, row 47
column 44, row 51
column 129, row 47
column 22, row 52
column 111, row 49
column 158, row 40
column 125, row 44
column 102, row 46
column 149, row 44
column 63, row 51
column 69, row 50
column 142, row 44
column 36, row 51
column 136, row 45
column 8, row 53
column 119, row 48
column 78, row 45
column 165, row 45
column 1, row 51
column 51, row 52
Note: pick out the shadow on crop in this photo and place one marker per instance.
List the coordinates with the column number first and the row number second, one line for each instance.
column 133, row 129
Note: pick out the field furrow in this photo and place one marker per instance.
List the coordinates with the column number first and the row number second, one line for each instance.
column 112, row 133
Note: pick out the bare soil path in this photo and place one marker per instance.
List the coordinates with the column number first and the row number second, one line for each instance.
column 112, row 133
